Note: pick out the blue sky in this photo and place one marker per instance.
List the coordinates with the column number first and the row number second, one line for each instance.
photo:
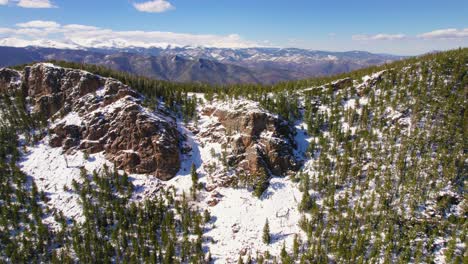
column 399, row 27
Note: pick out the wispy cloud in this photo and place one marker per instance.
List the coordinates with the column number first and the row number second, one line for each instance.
column 76, row 35
column 6, row 31
column 154, row 6
column 39, row 24
column 449, row 33
column 3, row 2
column 78, row 27
column 446, row 34
column 35, row 4
column 379, row 37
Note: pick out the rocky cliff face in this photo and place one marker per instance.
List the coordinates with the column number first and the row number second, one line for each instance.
column 259, row 142
column 99, row 114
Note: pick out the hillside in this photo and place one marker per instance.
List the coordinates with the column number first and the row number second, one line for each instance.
column 364, row 167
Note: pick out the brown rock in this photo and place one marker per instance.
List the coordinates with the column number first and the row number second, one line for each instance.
column 210, row 188
column 342, row 84
column 213, row 202
column 252, row 151
column 56, row 141
column 134, row 140
column 127, row 160
column 70, row 142
column 92, row 146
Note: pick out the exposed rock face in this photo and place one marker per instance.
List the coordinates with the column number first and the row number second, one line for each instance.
column 342, row 84
column 260, row 142
column 101, row 114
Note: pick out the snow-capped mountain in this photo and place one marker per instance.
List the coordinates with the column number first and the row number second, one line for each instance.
column 45, row 43
column 248, row 65
column 298, row 63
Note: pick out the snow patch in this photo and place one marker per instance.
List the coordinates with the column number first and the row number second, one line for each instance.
column 54, row 172
column 240, row 218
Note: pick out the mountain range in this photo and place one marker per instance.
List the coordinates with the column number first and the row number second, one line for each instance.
column 206, row 65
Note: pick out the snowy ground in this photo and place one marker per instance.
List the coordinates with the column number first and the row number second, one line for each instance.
column 239, row 219
column 48, row 167
column 53, row 173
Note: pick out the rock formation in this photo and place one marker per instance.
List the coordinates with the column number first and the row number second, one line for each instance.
column 100, row 114
column 260, row 141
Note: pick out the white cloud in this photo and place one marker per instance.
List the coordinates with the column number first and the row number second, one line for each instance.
column 449, row 33
column 445, row 34
column 379, row 37
column 35, row 4
column 154, row 6
column 79, row 27
column 3, row 2
column 39, row 24
column 6, row 31
column 89, row 36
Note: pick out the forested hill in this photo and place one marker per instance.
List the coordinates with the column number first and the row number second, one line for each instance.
column 363, row 167
column 153, row 87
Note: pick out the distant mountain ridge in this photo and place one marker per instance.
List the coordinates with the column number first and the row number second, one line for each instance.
column 293, row 62
column 164, row 67
column 207, row 65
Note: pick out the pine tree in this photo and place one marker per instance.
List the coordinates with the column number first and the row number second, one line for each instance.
column 249, row 259
column 240, row 261
column 170, row 253
column 194, row 187
column 296, row 244
column 306, row 202
column 261, row 183
column 194, row 174
column 207, row 216
column 260, row 259
column 285, row 259
column 266, row 233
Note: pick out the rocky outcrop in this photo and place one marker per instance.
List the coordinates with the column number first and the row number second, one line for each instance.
column 260, row 142
column 100, row 114
column 341, row 84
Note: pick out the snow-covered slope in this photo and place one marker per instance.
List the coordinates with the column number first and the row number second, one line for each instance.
column 54, row 170
column 238, row 217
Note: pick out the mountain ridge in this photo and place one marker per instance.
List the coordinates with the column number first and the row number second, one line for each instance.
column 222, row 66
